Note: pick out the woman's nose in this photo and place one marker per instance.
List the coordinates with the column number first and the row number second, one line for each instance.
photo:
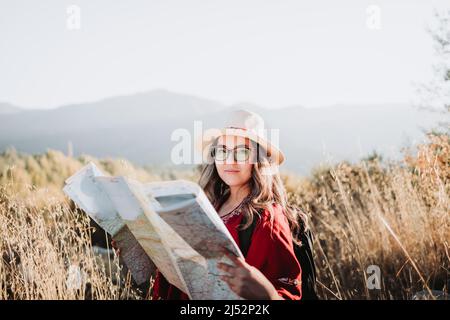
column 230, row 158
column 230, row 154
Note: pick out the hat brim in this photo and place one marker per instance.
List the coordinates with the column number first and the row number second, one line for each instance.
column 204, row 142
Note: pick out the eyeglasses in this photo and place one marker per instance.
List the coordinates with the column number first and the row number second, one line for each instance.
column 240, row 153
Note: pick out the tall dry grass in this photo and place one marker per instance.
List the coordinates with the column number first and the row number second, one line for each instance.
column 47, row 254
column 394, row 215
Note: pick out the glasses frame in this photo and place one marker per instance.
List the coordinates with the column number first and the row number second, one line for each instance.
column 233, row 151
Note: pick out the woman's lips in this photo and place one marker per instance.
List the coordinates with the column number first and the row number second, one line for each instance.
column 231, row 171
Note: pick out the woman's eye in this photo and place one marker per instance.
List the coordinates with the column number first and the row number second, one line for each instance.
column 242, row 154
column 221, row 153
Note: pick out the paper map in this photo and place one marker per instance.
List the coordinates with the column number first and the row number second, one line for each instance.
column 170, row 224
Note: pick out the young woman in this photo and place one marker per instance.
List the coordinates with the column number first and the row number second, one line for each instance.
column 242, row 181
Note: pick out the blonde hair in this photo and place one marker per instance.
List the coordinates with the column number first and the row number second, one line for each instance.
column 266, row 190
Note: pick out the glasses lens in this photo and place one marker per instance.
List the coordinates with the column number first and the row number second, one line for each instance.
column 242, row 154
column 220, row 154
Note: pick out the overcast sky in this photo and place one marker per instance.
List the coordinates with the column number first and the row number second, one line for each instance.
column 271, row 52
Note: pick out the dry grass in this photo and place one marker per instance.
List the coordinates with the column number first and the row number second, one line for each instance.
column 393, row 215
column 47, row 254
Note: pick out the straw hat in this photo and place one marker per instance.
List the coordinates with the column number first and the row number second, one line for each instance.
column 242, row 123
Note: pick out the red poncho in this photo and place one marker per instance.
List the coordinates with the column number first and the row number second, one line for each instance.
column 272, row 254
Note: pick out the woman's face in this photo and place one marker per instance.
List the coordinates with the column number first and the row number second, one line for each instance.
column 232, row 172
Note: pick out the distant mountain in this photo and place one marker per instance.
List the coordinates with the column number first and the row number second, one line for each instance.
column 139, row 127
column 6, row 108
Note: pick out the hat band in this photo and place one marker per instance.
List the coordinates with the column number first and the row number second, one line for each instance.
column 230, row 127
column 259, row 136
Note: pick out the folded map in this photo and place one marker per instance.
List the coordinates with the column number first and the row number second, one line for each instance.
column 169, row 224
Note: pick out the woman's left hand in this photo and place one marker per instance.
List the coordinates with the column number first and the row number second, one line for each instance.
column 247, row 281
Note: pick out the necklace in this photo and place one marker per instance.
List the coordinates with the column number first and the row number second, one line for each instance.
column 234, row 212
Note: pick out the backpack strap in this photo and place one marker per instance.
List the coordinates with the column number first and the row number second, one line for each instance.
column 305, row 257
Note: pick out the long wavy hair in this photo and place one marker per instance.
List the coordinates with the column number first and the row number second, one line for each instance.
column 266, row 190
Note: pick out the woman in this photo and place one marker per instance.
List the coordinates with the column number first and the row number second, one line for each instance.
column 244, row 187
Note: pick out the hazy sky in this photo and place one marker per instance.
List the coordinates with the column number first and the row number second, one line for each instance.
column 274, row 53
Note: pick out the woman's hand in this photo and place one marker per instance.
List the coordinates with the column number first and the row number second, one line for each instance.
column 247, row 281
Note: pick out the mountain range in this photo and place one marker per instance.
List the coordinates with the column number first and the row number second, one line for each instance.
column 139, row 127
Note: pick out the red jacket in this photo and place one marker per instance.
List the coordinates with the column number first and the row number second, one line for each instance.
column 272, row 254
